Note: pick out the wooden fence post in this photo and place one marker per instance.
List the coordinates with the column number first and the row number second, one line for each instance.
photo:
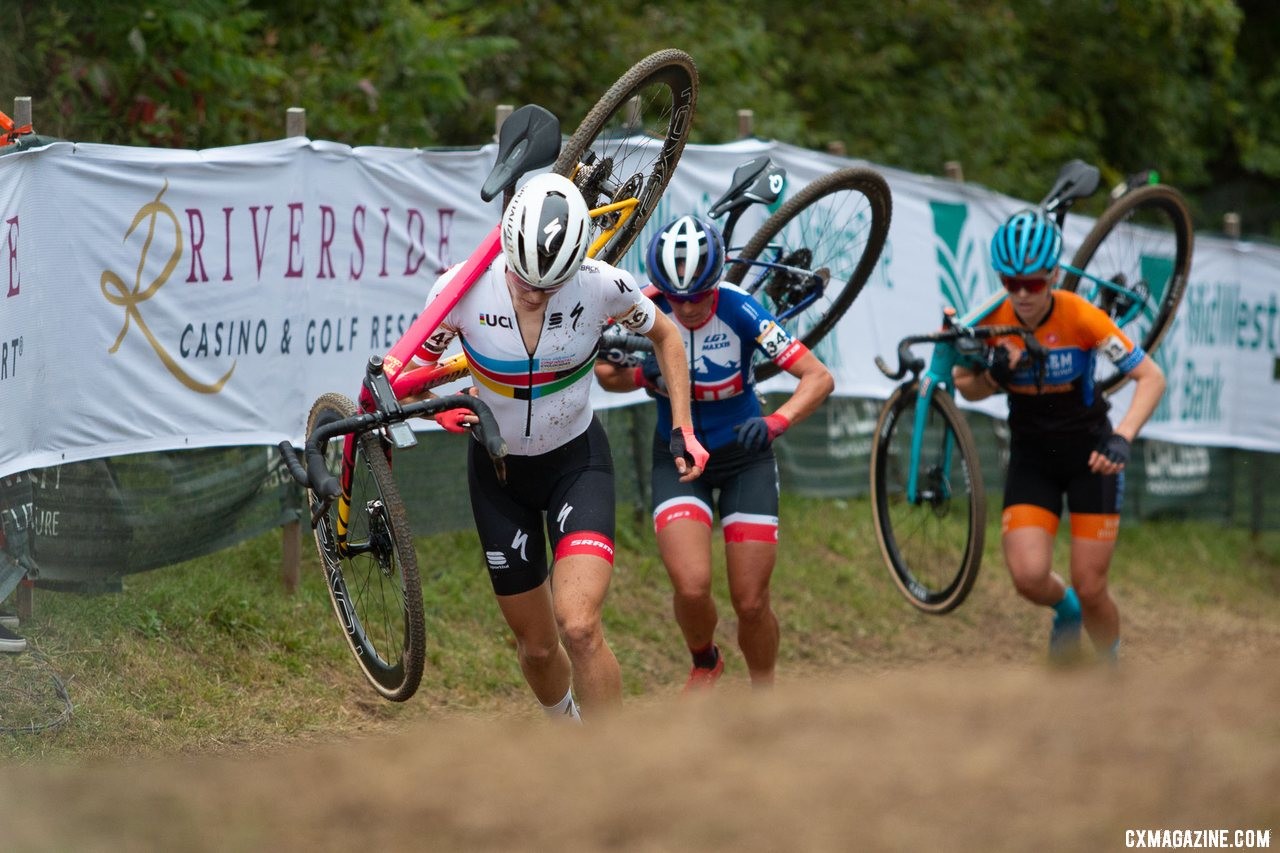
column 23, row 602
column 954, row 171
column 21, row 111
column 746, row 123
column 295, row 124
column 500, row 113
column 295, row 121
column 1231, row 225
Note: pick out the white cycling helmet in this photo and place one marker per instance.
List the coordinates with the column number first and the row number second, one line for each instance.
column 546, row 231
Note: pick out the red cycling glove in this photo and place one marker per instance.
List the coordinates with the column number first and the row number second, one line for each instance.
column 452, row 420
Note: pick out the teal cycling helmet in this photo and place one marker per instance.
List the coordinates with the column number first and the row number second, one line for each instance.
column 1027, row 243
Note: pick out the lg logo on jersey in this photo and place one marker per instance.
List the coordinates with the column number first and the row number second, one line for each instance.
column 717, row 341
column 496, row 320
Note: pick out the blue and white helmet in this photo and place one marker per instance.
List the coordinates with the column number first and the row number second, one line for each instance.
column 546, row 231
column 1027, row 243
column 686, row 257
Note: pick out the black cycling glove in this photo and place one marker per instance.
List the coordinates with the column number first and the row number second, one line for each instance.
column 999, row 366
column 1115, row 448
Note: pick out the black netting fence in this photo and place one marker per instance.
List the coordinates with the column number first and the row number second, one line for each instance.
column 91, row 523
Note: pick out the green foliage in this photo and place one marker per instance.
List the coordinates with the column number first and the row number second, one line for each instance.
column 1010, row 88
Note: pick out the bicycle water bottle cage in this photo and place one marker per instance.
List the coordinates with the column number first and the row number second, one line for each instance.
column 529, row 139
column 756, row 181
column 1076, row 179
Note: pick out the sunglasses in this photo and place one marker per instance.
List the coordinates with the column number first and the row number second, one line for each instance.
column 1029, row 283
column 691, row 300
column 524, row 286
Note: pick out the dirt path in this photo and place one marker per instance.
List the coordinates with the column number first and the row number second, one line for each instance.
column 863, row 747
column 984, row 758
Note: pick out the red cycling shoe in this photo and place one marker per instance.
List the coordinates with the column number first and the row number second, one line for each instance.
column 701, row 678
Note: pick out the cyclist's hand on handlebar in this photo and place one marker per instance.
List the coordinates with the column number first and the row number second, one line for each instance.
column 1002, row 364
column 1111, row 455
column 970, row 347
column 458, row 420
column 689, row 454
column 757, row 433
column 649, row 377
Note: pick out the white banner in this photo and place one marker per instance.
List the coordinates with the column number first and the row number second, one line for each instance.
column 154, row 299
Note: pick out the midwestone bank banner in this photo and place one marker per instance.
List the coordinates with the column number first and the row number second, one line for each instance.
column 155, row 299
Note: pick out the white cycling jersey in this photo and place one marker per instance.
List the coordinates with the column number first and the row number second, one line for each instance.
column 541, row 400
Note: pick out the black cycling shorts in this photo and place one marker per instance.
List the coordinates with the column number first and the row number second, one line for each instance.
column 572, row 484
column 1042, row 471
column 746, row 480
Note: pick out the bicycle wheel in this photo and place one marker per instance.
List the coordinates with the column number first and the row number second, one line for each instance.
column 837, row 223
column 630, row 142
column 370, row 567
column 1134, row 265
column 932, row 545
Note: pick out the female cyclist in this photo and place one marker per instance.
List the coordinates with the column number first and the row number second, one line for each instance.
column 722, row 326
column 1062, row 439
column 530, row 327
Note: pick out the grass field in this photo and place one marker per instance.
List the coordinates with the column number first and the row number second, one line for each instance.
column 212, row 656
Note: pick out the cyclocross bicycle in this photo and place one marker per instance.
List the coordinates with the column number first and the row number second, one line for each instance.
column 360, row 524
column 808, row 261
column 927, row 494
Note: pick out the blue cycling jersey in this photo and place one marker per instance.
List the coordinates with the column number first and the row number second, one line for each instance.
column 720, row 352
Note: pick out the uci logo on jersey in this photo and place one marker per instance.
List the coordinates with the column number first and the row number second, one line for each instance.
column 496, row 320
column 717, row 341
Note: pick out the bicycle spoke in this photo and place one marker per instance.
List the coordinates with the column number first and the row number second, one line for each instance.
column 1141, row 246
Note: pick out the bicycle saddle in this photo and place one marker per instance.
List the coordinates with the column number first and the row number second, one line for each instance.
column 754, row 181
column 529, row 139
column 1076, row 179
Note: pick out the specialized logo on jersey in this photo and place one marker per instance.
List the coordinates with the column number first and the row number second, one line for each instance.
column 519, row 542
column 563, row 515
column 526, row 379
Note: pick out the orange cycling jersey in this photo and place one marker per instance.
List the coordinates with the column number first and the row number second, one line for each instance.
column 1063, row 398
